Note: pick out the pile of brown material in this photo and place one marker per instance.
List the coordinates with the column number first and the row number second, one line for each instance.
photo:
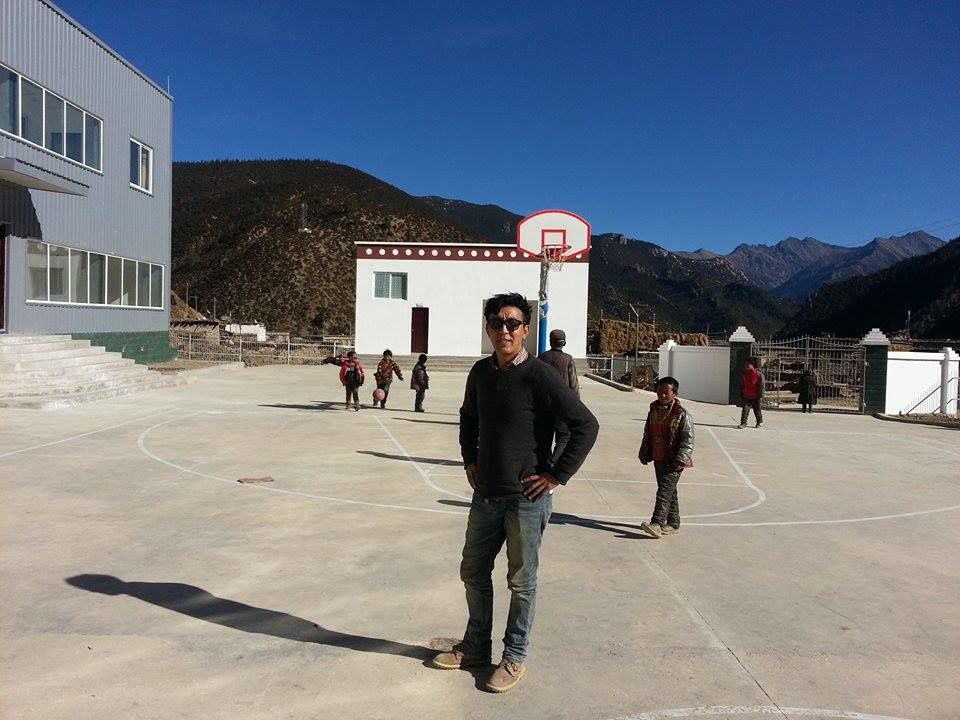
column 179, row 310
column 618, row 337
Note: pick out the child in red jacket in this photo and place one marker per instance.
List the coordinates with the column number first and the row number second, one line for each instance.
column 351, row 377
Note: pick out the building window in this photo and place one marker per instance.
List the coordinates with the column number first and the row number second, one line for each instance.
column 141, row 166
column 38, row 116
column 390, row 285
column 63, row 275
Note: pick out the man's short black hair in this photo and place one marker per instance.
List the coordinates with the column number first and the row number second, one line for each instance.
column 668, row 381
column 498, row 302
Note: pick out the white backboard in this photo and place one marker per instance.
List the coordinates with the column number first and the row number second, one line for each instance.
column 566, row 231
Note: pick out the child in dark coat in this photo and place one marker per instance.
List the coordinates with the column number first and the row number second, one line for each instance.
column 351, row 377
column 420, row 381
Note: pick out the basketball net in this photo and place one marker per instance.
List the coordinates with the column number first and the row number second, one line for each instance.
column 552, row 256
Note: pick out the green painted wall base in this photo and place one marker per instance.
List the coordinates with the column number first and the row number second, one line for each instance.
column 875, row 379
column 142, row 347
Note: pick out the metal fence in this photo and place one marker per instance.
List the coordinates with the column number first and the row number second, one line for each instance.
column 297, row 351
column 620, row 368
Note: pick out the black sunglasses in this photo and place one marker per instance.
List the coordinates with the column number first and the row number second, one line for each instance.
column 498, row 323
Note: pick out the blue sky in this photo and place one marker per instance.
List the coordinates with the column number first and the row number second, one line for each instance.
column 687, row 124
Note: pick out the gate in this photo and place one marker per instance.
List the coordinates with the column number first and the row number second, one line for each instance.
column 836, row 363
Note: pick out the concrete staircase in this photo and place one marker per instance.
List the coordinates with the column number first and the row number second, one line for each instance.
column 435, row 363
column 51, row 371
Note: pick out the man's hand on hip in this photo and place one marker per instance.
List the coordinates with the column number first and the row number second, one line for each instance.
column 534, row 486
column 471, row 471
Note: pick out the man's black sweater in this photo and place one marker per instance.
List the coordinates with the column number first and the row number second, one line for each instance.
column 507, row 423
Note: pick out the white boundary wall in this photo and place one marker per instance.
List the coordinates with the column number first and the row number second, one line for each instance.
column 703, row 372
column 911, row 376
column 454, row 290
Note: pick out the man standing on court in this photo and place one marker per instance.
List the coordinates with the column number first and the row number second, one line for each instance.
column 751, row 392
column 668, row 443
column 510, row 409
column 564, row 364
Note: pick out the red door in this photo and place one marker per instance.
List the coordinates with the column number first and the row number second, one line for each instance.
column 419, row 328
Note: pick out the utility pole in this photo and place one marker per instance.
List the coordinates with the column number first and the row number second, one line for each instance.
column 636, row 337
column 215, row 309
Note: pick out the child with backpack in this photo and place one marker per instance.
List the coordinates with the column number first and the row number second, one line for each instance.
column 386, row 369
column 351, row 377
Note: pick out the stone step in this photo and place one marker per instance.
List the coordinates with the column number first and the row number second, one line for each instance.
column 28, row 339
column 61, row 362
column 81, row 386
column 15, row 385
column 41, row 345
column 80, row 350
column 110, row 361
column 52, row 402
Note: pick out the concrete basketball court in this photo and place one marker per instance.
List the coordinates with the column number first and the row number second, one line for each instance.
column 815, row 575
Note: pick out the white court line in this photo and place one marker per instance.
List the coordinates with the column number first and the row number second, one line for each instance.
column 729, row 710
column 141, row 443
column 653, row 482
column 82, row 435
column 423, row 473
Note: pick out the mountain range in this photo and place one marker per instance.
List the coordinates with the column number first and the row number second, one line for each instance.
column 273, row 241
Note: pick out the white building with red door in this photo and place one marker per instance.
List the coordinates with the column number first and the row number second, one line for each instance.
column 425, row 297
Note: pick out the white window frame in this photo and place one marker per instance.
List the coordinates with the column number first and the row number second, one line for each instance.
column 43, row 137
column 390, row 295
column 141, row 147
column 107, row 256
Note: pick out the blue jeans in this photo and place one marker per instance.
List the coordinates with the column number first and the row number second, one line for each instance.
column 519, row 522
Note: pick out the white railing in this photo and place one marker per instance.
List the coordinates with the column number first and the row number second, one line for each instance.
column 931, row 401
column 238, row 348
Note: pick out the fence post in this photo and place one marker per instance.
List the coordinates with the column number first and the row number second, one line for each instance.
column 949, row 357
column 288, row 349
column 189, row 347
column 241, row 347
column 875, row 351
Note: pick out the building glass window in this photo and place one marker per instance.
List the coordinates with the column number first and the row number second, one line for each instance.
column 114, row 280
column 129, row 296
column 98, row 278
column 390, row 285
column 31, row 111
column 156, row 286
column 141, row 166
column 143, row 284
column 36, row 270
column 59, row 274
column 53, row 124
column 91, row 152
column 79, row 275
column 9, row 96
column 74, row 144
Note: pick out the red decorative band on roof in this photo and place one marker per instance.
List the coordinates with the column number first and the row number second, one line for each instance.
column 450, row 251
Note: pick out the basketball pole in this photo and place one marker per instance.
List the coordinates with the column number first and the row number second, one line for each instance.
column 543, row 304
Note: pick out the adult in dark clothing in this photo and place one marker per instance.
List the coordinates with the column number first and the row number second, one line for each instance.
column 337, row 360
column 808, row 391
column 420, row 381
column 510, row 409
column 751, row 393
column 386, row 369
column 564, row 364
column 668, row 443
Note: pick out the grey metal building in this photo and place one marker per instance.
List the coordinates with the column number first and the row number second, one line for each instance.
column 85, row 187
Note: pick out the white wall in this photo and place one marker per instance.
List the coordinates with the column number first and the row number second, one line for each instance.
column 913, row 375
column 703, row 372
column 454, row 291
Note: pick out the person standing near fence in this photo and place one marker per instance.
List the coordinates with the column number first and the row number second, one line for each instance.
column 751, row 393
column 384, row 373
column 564, row 364
column 808, row 391
column 668, row 438
column 419, row 381
column 351, row 377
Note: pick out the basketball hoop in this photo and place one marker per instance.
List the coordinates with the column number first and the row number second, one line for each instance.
column 553, row 256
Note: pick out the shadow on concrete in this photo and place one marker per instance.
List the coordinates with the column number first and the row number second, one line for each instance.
column 316, row 405
column 411, row 458
column 703, row 424
column 198, row 603
column 621, row 530
column 430, row 422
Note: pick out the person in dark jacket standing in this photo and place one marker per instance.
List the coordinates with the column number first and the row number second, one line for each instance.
column 419, row 381
column 808, row 391
column 751, row 392
column 564, row 364
column 668, row 438
column 510, row 408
